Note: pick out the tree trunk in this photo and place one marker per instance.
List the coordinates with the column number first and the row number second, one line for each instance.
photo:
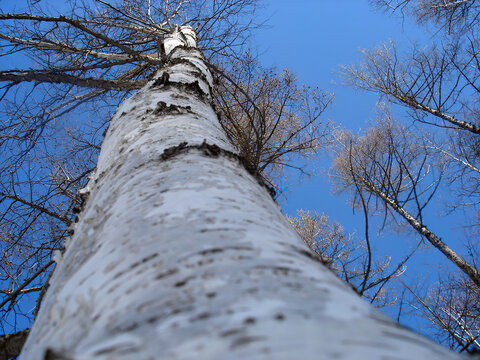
column 181, row 253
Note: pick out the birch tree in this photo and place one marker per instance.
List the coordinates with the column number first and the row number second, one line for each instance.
column 397, row 175
column 350, row 258
column 49, row 149
column 179, row 250
column 401, row 170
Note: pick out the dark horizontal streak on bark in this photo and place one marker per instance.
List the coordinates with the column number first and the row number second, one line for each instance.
column 191, row 88
column 62, row 78
column 215, row 151
column 170, row 62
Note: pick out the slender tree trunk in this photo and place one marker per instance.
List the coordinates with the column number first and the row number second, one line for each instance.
column 180, row 253
column 433, row 239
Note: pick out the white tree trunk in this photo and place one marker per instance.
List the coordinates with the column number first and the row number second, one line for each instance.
column 180, row 253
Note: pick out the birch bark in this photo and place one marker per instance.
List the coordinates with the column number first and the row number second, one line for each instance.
column 180, row 253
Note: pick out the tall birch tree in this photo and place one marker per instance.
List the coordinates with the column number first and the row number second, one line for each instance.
column 59, row 80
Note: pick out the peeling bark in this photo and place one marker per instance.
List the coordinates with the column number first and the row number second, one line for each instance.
column 180, row 253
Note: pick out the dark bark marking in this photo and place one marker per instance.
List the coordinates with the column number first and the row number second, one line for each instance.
column 278, row 269
column 249, row 321
column 117, row 275
column 245, row 340
column 200, row 263
column 126, row 328
column 149, row 257
column 191, row 88
column 166, row 273
column 104, row 133
column 183, row 282
column 308, row 254
column 212, row 150
column 143, row 261
column 82, row 201
column 231, row 332
column 152, row 319
column 202, row 316
column 279, row 317
column 163, row 109
column 211, row 251
column 179, row 96
column 134, row 265
column 54, row 355
column 186, row 48
column 296, row 286
column 164, row 79
column 305, row 252
column 194, row 87
column 172, row 151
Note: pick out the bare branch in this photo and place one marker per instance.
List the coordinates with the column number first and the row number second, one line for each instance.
column 62, row 78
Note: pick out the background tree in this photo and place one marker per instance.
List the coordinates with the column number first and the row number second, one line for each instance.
column 452, row 308
column 272, row 120
column 350, row 258
column 404, row 168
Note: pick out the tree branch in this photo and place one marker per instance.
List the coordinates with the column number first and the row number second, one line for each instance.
column 62, row 78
